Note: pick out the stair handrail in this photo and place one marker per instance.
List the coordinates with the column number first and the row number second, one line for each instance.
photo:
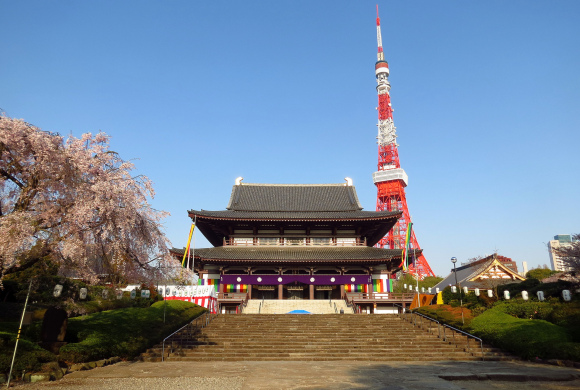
column 428, row 318
column 468, row 335
column 207, row 318
column 355, row 307
column 348, row 304
column 335, row 308
column 243, row 304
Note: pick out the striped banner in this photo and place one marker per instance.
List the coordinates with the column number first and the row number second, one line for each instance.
column 362, row 288
column 382, row 285
column 209, row 282
column 236, row 288
column 406, row 250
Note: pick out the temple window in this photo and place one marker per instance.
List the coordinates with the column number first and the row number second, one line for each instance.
column 243, row 241
column 268, row 240
column 345, row 241
column 321, row 240
column 294, row 241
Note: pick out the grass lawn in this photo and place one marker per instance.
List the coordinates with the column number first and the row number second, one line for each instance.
column 124, row 332
column 527, row 329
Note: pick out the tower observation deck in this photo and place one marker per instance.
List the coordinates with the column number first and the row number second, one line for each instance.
column 390, row 178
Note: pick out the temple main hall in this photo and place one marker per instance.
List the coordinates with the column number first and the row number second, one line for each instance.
column 295, row 241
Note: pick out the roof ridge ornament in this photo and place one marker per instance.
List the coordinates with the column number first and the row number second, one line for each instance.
column 239, row 181
column 348, row 181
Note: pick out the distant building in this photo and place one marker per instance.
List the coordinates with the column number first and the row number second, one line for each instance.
column 486, row 273
column 559, row 241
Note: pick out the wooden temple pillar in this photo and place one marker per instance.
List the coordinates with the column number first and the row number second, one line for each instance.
column 342, row 294
column 280, row 291
column 249, row 285
column 311, row 288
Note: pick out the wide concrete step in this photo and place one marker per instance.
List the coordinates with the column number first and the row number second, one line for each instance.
column 303, row 333
column 317, row 338
column 323, row 358
column 329, row 342
column 354, row 353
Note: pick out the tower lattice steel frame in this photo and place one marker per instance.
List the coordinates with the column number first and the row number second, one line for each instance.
column 390, row 178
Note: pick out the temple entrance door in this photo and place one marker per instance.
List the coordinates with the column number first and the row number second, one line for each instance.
column 295, row 291
column 322, row 294
column 262, row 292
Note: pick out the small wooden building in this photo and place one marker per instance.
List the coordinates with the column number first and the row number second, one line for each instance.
column 486, row 273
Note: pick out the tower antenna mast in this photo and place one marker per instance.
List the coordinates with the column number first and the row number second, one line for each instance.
column 390, row 178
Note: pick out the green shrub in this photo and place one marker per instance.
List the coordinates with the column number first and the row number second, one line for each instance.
column 564, row 351
column 515, row 289
column 470, row 300
column 29, row 356
column 524, row 337
column 526, row 309
column 540, row 273
column 26, row 360
column 478, row 310
column 551, row 290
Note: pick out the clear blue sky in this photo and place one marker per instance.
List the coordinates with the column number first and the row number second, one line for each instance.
column 486, row 98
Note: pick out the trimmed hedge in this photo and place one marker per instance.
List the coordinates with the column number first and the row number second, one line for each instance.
column 527, row 338
column 564, row 314
column 29, row 357
column 125, row 332
column 532, row 286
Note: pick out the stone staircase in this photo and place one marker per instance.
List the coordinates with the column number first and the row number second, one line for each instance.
column 295, row 337
column 284, row 306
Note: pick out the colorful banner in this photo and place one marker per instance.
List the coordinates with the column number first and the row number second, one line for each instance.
column 209, row 282
column 405, row 254
column 361, row 288
column 382, row 285
column 235, row 288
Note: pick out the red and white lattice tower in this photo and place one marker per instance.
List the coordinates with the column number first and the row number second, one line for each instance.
column 390, row 178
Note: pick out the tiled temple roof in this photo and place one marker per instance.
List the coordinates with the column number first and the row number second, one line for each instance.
column 294, row 198
column 252, row 206
column 296, row 215
column 294, row 253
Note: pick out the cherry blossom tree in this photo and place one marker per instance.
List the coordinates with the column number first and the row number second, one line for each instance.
column 570, row 253
column 74, row 202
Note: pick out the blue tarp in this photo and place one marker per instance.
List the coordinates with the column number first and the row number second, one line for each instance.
column 298, row 312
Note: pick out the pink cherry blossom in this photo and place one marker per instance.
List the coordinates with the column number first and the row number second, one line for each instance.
column 75, row 201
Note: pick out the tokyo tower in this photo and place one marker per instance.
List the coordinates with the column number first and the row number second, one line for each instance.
column 390, row 178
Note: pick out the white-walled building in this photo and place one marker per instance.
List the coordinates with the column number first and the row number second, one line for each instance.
column 559, row 241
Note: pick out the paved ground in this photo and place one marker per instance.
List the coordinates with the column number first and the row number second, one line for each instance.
column 320, row 375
